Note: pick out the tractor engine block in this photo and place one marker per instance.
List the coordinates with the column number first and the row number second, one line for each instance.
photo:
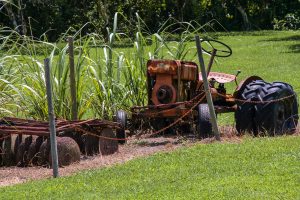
column 170, row 81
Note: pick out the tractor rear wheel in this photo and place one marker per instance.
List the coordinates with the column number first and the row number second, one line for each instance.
column 245, row 113
column 121, row 117
column 277, row 117
column 204, row 126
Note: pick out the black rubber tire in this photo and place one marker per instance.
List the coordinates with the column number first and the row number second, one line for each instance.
column 277, row 118
column 121, row 117
column 204, row 126
column 245, row 113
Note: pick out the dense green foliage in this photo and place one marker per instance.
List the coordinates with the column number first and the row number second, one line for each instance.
column 55, row 17
column 261, row 168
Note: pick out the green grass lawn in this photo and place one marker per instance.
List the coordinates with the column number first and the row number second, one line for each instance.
column 261, row 168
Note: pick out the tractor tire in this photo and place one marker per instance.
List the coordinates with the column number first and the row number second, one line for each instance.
column 121, row 117
column 245, row 113
column 204, row 126
column 277, row 117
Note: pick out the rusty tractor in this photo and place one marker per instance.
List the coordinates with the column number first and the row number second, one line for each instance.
column 177, row 103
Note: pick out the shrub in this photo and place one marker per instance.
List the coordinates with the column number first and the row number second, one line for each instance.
column 291, row 21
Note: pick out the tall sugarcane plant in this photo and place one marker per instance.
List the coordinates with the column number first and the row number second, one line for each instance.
column 108, row 77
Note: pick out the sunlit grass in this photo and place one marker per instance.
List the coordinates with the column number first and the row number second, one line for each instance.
column 261, row 168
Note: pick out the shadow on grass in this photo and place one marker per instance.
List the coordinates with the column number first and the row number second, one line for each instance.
column 289, row 38
column 294, row 48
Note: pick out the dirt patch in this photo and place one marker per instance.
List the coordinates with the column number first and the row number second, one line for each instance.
column 134, row 149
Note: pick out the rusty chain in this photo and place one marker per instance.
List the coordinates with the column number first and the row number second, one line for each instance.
column 257, row 102
column 192, row 101
column 179, row 119
column 186, row 113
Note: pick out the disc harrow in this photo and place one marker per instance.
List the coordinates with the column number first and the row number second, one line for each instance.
column 26, row 142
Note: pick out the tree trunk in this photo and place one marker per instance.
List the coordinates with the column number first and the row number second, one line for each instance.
column 244, row 15
column 102, row 9
column 21, row 18
column 12, row 16
column 180, row 7
column 17, row 18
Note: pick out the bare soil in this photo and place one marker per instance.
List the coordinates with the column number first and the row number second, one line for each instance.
column 134, row 148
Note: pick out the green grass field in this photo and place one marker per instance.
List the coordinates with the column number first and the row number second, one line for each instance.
column 261, row 168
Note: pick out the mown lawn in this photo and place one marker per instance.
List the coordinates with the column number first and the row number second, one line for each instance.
column 261, row 168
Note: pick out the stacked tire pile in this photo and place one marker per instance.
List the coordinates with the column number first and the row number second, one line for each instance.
column 267, row 109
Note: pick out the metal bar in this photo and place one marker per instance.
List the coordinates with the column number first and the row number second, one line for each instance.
column 207, row 90
column 179, row 80
column 51, row 119
column 25, row 132
column 72, row 78
column 211, row 61
column 34, row 128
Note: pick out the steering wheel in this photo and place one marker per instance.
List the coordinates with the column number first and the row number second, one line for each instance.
column 222, row 50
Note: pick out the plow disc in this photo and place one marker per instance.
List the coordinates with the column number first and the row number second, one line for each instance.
column 26, row 142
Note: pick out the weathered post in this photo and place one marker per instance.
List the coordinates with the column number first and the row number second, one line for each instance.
column 51, row 119
column 72, row 78
column 207, row 90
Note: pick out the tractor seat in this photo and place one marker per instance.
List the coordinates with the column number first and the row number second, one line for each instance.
column 220, row 77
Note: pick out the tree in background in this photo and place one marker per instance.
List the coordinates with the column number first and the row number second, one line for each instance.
column 57, row 16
